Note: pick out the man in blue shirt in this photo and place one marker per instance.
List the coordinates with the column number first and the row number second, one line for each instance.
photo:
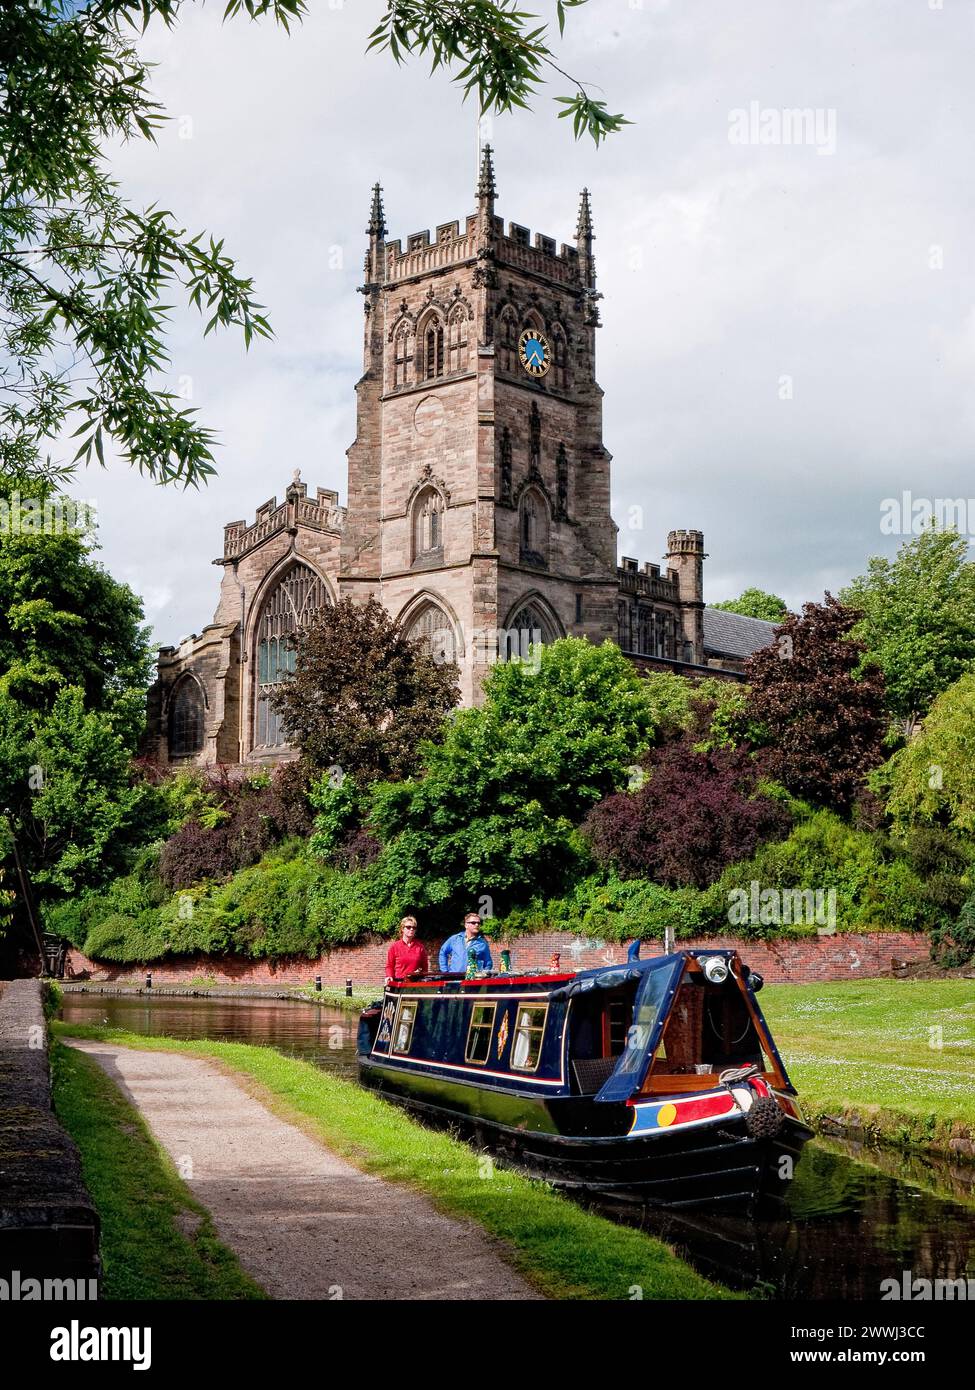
column 453, row 953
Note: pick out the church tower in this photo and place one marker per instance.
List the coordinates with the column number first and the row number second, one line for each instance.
column 479, row 487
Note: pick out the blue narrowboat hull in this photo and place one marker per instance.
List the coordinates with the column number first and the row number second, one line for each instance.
column 657, row 1078
column 714, row 1162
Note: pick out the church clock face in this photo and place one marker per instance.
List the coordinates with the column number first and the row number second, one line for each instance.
column 533, row 352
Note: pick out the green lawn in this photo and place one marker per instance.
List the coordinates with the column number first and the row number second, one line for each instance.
column 899, row 1054
column 157, row 1241
column 564, row 1251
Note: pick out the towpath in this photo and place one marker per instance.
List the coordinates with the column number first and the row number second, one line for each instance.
column 302, row 1221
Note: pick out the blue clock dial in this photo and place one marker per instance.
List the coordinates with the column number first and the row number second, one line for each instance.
column 533, row 352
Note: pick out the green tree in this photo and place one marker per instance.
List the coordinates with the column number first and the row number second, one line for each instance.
column 495, row 810
column 918, row 621
column 363, row 695
column 756, row 603
column 65, row 621
column 931, row 781
column 66, row 782
column 714, row 709
column 87, row 280
column 75, row 662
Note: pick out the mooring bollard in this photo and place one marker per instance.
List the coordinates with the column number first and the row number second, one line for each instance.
column 348, row 989
column 148, row 979
column 318, row 984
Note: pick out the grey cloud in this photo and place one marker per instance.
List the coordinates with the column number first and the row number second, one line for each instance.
column 724, row 268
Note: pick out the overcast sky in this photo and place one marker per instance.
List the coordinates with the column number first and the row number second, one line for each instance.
column 789, row 329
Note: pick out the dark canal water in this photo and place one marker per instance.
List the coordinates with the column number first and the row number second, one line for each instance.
column 856, row 1215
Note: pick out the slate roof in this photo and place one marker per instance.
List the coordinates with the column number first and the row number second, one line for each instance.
column 732, row 634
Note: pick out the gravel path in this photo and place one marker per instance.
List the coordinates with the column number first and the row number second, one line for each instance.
column 303, row 1222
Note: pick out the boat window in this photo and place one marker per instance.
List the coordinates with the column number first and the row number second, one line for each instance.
column 479, row 1033
column 618, row 1015
column 403, row 1028
column 527, row 1046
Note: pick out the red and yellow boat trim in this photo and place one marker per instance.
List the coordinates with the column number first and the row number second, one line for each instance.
column 685, row 1112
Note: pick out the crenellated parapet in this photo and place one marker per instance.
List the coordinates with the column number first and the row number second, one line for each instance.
column 686, row 543
column 647, row 583
column 538, row 257
column 450, row 246
column 319, row 513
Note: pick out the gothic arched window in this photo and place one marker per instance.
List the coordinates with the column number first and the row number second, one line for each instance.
column 435, row 632
column 560, row 359
column 403, row 352
column 186, row 719
column 433, row 349
column 508, row 339
column 534, row 528
column 457, row 355
column 532, row 622
column 428, row 515
column 292, row 605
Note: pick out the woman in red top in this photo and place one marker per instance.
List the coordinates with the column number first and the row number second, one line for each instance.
column 406, row 957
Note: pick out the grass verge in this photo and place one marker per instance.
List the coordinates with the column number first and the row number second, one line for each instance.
column 335, row 997
column 563, row 1251
column 157, row 1240
column 894, row 1058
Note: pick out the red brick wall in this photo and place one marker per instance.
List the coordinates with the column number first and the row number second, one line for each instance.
column 844, row 956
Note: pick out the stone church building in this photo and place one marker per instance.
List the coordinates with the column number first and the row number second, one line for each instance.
column 478, row 506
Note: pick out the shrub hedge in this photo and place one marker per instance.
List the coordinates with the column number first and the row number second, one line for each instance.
column 291, row 903
column 288, row 904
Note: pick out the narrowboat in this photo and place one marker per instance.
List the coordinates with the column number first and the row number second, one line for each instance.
column 657, row 1078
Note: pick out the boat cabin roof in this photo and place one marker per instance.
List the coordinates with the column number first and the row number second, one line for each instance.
column 600, row 976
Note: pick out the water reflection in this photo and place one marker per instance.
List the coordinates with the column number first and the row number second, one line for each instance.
column 855, row 1214
column 844, row 1228
column 314, row 1032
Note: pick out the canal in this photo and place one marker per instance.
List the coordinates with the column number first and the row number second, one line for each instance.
column 856, row 1214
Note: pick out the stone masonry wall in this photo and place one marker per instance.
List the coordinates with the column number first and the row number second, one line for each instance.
column 48, row 1225
column 845, row 956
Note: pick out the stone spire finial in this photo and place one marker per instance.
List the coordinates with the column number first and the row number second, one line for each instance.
column 584, row 224
column 375, row 253
column 584, row 240
column 486, row 229
column 486, row 189
column 377, row 218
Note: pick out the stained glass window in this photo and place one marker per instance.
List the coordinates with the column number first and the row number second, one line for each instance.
column 186, row 719
column 292, row 605
column 434, row 630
